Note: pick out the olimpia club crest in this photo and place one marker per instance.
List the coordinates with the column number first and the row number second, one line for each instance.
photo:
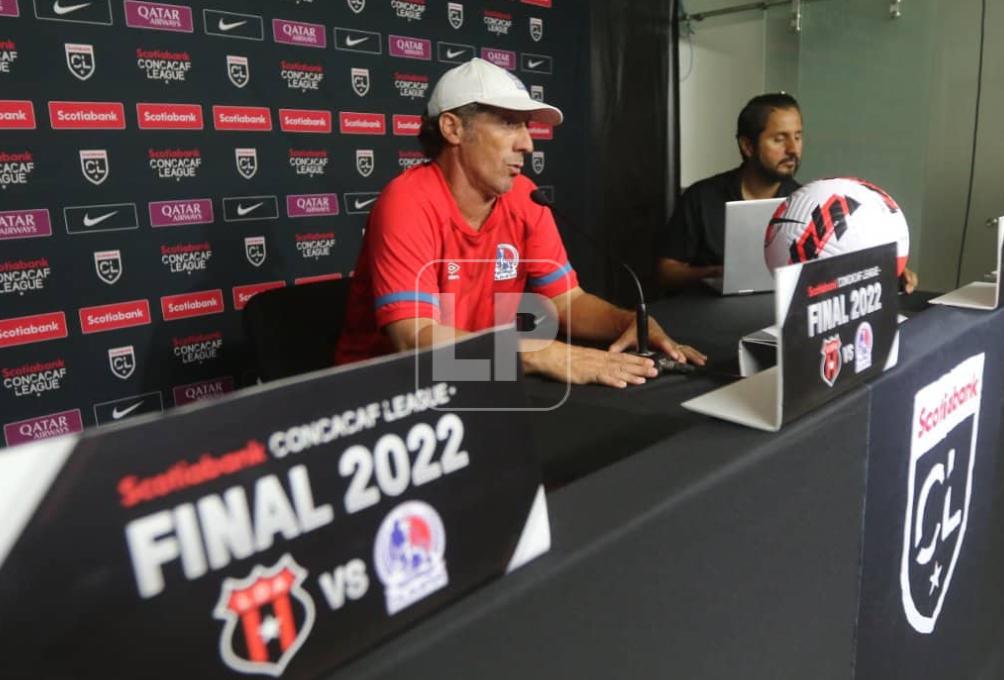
column 943, row 453
column 122, row 361
column 94, row 165
column 357, row 6
column 267, row 617
column 408, row 554
column 365, row 162
column 108, row 265
column 238, row 70
column 537, row 162
column 254, row 249
column 536, row 29
column 247, row 162
column 361, row 81
column 80, row 60
column 455, row 13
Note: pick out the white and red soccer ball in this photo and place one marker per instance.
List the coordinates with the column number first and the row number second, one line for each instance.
column 834, row 216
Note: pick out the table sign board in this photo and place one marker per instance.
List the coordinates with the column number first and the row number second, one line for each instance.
column 979, row 294
column 837, row 320
column 277, row 532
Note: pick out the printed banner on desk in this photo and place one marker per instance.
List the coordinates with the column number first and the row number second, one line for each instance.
column 281, row 532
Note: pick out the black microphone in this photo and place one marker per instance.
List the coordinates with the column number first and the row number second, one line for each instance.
column 641, row 313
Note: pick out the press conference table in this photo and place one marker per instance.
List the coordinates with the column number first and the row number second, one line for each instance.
column 682, row 546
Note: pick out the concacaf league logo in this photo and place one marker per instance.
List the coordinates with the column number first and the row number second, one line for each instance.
column 455, row 13
column 361, row 81
column 357, row 6
column 506, row 262
column 80, row 60
column 537, row 162
column 94, row 165
column 247, row 162
column 108, row 265
column 122, row 361
column 267, row 618
column 408, row 554
column 829, row 364
column 365, row 162
column 254, row 249
column 939, row 488
column 536, row 29
column 238, row 70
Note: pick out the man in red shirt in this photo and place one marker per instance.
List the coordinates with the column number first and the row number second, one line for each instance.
column 446, row 237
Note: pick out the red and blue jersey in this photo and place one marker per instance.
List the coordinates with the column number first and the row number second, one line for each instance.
column 421, row 259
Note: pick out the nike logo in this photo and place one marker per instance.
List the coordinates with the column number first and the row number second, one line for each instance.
column 225, row 26
column 534, row 63
column 117, row 414
column 362, row 204
column 352, row 42
column 453, row 54
column 66, row 9
column 242, row 210
column 91, row 221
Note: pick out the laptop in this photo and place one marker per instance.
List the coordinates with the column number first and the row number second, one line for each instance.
column 744, row 269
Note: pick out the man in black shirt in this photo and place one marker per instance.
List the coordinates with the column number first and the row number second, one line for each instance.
column 769, row 134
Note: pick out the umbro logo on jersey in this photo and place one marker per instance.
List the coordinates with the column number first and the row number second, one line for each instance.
column 233, row 25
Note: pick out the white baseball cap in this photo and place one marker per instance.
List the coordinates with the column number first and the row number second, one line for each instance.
column 479, row 81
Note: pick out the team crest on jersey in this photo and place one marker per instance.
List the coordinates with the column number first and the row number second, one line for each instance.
column 455, row 13
column 254, row 249
column 267, row 617
column 247, row 162
column 829, row 365
column 361, row 81
column 357, row 6
column 94, row 165
column 238, row 70
column 108, row 265
column 536, row 29
column 537, row 162
column 80, row 60
column 506, row 262
column 122, row 361
column 365, row 162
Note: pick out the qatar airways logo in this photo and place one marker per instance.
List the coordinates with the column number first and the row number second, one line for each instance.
column 8, row 55
column 175, row 164
column 350, row 123
column 299, row 33
column 197, row 349
column 114, row 317
column 308, row 163
column 163, row 66
column 17, row 224
column 23, row 276
column 169, row 116
column 186, row 258
column 302, row 120
column 43, row 427
column 27, row 330
column 181, row 213
column 157, row 16
column 407, row 126
column 242, row 118
column 243, row 294
column 188, row 305
column 409, row 48
column 411, row 86
column 34, row 379
column 206, row 389
column 498, row 23
column 502, row 58
column 311, row 205
column 411, row 10
column 300, row 76
column 16, row 168
column 9, row 8
column 315, row 245
column 85, row 115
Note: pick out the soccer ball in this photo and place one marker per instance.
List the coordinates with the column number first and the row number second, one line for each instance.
column 832, row 217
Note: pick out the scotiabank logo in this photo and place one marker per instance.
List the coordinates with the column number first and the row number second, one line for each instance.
column 302, row 120
column 244, row 293
column 242, row 118
column 206, row 389
column 362, row 123
column 317, row 279
column 538, row 3
column 541, row 131
column 26, row 330
column 114, row 316
column 406, row 125
column 169, row 116
column 186, row 305
column 16, row 115
column 87, row 116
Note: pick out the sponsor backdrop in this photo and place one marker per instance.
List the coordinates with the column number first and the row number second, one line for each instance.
column 162, row 163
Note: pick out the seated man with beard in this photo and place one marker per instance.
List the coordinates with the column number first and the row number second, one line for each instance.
column 769, row 134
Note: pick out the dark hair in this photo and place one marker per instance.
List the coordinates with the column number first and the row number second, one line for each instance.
column 753, row 118
column 429, row 135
